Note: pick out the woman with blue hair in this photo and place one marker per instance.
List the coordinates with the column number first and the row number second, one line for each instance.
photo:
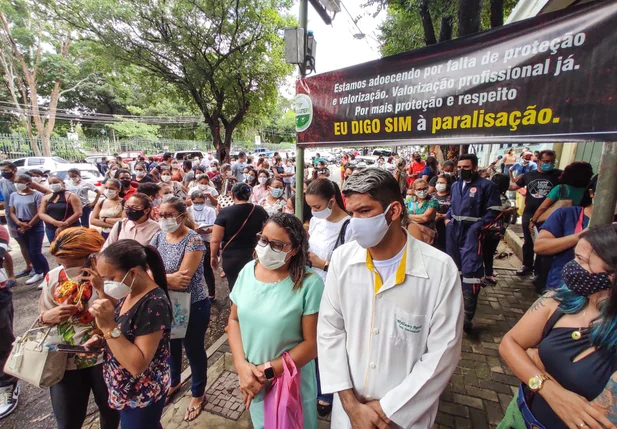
column 564, row 348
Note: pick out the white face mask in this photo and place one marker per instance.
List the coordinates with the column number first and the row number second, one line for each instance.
column 110, row 193
column 166, row 178
column 369, row 232
column 324, row 214
column 20, row 187
column 441, row 187
column 140, row 174
column 167, row 197
column 118, row 290
column 421, row 194
column 270, row 259
column 56, row 187
column 214, row 169
column 156, row 202
column 169, row 225
column 262, row 180
column 75, row 180
column 203, row 187
column 37, row 179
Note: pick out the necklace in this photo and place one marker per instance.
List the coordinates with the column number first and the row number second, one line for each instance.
column 576, row 335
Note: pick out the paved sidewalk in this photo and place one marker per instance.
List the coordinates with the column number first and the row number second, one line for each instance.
column 478, row 393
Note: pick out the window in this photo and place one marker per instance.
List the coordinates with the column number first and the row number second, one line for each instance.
column 36, row 161
column 59, row 160
column 19, row 162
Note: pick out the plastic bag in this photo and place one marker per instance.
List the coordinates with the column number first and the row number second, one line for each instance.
column 283, row 400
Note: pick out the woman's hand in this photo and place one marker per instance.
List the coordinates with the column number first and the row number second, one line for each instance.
column 58, row 314
column 94, row 278
column 103, row 312
column 178, row 280
column 95, row 343
column 251, row 382
column 214, row 262
column 317, row 261
column 575, row 411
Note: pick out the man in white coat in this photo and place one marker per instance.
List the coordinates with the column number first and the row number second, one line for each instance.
column 390, row 323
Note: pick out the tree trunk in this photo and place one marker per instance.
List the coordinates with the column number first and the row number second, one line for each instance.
column 445, row 30
column 496, row 13
column 427, row 23
column 469, row 17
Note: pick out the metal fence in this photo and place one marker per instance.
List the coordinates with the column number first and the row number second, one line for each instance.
column 14, row 146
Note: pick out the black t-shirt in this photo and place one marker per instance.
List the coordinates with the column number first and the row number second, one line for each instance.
column 538, row 186
column 232, row 218
column 146, row 179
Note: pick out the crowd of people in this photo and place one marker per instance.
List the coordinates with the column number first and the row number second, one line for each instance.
column 368, row 295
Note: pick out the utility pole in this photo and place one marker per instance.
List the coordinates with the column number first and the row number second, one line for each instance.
column 606, row 189
column 303, row 22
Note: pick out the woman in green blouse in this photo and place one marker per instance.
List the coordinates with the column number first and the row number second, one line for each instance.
column 421, row 212
column 275, row 303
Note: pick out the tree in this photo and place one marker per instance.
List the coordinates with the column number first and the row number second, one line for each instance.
column 38, row 58
column 227, row 56
column 128, row 128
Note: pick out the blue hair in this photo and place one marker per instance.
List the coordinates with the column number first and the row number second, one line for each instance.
column 603, row 329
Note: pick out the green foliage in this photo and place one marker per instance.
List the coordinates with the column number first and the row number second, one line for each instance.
column 402, row 30
column 128, row 128
column 226, row 57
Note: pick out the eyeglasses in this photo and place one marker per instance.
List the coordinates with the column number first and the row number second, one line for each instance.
column 169, row 215
column 549, row 161
column 275, row 245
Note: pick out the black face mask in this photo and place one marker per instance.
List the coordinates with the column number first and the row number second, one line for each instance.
column 125, row 183
column 418, row 159
column 582, row 282
column 466, row 175
column 135, row 215
column 8, row 175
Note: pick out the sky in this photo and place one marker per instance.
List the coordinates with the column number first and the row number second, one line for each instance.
column 336, row 46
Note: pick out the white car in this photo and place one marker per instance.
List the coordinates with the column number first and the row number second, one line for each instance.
column 89, row 174
column 48, row 164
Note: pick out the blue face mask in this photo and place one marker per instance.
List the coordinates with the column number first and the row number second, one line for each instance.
column 277, row 192
column 198, row 207
column 547, row 167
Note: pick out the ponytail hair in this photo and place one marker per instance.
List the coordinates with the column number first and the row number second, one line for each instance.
column 128, row 254
column 326, row 189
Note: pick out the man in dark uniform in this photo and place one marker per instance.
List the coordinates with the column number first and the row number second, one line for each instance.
column 474, row 203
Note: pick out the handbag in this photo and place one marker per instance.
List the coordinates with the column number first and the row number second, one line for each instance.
column 181, row 310
column 34, row 361
column 283, row 400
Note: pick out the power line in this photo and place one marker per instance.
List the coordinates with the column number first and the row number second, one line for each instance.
column 355, row 22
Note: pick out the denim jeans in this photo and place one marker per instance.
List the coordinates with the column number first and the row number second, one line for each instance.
column 143, row 418
column 85, row 216
column 33, row 240
column 6, row 334
column 193, row 344
column 208, row 273
column 69, row 398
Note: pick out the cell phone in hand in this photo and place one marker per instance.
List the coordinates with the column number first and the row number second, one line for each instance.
column 90, row 262
column 67, row 348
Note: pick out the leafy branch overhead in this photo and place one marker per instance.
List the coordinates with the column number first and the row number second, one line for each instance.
column 226, row 56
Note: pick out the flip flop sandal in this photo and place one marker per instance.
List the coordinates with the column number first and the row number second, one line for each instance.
column 171, row 393
column 324, row 410
column 190, row 411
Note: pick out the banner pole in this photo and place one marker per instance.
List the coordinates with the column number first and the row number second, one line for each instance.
column 303, row 22
column 606, row 189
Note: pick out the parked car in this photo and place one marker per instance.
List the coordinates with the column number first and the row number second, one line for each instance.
column 190, row 154
column 89, row 174
column 98, row 159
column 130, row 156
column 46, row 164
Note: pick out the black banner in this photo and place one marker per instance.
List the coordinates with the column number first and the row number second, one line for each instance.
column 550, row 78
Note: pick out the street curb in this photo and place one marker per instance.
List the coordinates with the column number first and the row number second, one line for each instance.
column 515, row 242
column 186, row 374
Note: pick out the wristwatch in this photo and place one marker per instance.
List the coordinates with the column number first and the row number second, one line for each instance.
column 325, row 267
column 269, row 371
column 536, row 382
column 114, row 333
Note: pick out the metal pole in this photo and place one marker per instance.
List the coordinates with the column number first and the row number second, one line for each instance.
column 606, row 190
column 303, row 22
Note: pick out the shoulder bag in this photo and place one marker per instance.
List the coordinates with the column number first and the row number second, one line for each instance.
column 34, row 361
column 561, row 202
column 239, row 230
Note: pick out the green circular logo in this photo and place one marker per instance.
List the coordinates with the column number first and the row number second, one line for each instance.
column 303, row 106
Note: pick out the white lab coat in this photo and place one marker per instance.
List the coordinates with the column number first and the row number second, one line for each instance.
column 399, row 346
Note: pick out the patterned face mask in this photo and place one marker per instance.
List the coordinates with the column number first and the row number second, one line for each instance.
column 582, row 282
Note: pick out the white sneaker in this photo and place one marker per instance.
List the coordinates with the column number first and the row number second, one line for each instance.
column 35, row 279
column 9, row 397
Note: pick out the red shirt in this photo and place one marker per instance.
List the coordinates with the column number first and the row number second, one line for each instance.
column 414, row 168
column 128, row 193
